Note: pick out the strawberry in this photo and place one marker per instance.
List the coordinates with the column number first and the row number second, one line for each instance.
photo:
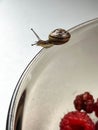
column 76, row 120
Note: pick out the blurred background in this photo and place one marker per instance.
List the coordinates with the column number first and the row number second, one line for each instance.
column 16, row 19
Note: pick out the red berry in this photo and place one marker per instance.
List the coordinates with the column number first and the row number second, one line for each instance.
column 78, row 102
column 88, row 102
column 76, row 120
column 96, row 108
column 84, row 102
column 96, row 126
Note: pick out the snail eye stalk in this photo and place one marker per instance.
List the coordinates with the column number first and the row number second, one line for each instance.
column 35, row 34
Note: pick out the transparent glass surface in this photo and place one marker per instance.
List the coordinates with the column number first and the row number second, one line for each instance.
column 49, row 84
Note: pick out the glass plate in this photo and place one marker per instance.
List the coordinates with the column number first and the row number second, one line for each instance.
column 47, row 87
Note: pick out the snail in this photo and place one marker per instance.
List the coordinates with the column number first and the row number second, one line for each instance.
column 57, row 37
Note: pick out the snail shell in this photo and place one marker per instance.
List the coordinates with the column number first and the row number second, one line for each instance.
column 59, row 36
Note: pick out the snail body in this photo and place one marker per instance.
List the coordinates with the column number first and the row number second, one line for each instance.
column 57, row 37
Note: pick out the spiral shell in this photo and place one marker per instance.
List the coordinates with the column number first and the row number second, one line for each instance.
column 59, row 36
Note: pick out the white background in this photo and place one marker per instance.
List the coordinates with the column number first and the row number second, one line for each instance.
column 16, row 19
